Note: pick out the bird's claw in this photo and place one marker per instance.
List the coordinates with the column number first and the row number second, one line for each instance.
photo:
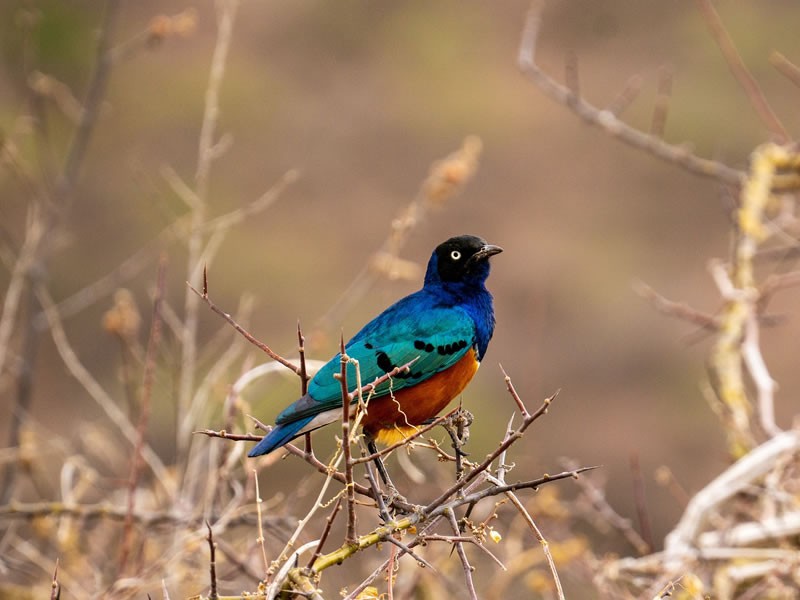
column 393, row 496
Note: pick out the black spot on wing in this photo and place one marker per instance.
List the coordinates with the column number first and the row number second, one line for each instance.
column 384, row 362
column 451, row 348
column 422, row 345
column 368, row 346
column 386, row 365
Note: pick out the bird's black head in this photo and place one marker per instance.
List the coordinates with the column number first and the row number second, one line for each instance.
column 464, row 258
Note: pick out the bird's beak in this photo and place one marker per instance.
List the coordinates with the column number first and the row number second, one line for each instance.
column 485, row 252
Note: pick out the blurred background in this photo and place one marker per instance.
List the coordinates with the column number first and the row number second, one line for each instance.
column 361, row 98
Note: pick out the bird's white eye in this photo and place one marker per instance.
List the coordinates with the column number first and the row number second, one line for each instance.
column 455, row 255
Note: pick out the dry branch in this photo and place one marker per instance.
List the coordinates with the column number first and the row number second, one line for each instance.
column 606, row 119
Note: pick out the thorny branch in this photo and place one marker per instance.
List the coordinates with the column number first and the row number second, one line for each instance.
column 350, row 495
column 110, row 512
column 212, row 562
column 468, row 568
column 55, row 591
column 247, row 335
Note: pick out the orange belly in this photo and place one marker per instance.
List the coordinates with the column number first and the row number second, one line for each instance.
column 395, row 416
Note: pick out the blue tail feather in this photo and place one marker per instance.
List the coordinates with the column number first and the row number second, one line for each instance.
column 279, row 436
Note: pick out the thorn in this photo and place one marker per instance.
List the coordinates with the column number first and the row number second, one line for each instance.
column 55, row 592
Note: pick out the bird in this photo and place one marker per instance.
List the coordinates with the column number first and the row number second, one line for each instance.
column 444, row 328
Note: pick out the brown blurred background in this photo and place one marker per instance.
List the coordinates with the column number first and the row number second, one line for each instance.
column 361, row 97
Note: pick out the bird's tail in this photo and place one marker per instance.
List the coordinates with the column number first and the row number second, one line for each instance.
column 279, row 436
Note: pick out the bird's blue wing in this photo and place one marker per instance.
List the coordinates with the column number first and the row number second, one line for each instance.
column 437, row 337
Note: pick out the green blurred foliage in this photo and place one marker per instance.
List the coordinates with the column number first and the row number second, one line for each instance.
column 55, row 37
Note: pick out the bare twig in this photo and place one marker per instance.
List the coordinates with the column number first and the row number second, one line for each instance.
column 23, row 269
column 91, row 105
column 571, row 76
column 55, row 588
column 757, row 367
column 356, row 593
column 773, row 284
column 212, row 563
column 628, row 94
column 326, row 531
column 468, row 568
column 659, row 121
column 681, row 310
column 234, row 556
column 740, row 72
column 97, row 393
column 291, row 449
column 786, row 67
column 247, row 335
column 301, row 349
column 260, row 539
column 420, row 561
column 285, row 556
column 304, row 586
column 500, row 480
column 105, row 510
column 641, row 503
column 144, row 410
column 390, row 569
column 373, row 482
column 134, row 264
column 350, row 535
column 539, row 537
column 511, row 390
column 304, row 379
column 28, row 253
column 598, row 502
column 236, row 437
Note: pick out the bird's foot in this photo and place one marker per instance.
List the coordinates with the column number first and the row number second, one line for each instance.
column 393, row 497
column 396, row 505
column 457, row 427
